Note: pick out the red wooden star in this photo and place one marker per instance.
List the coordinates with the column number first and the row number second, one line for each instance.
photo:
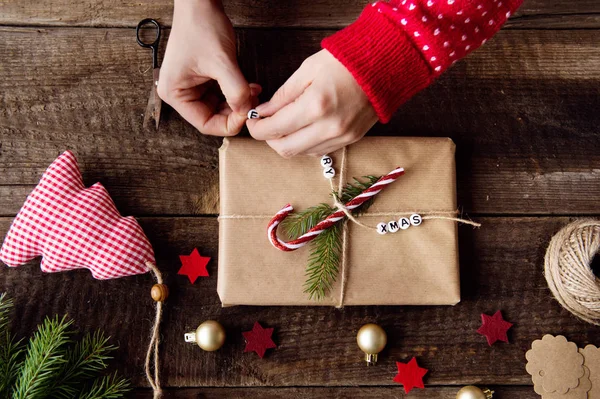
column 494, row 328
column 410, row 375
column 193, row 265
column 259, row 340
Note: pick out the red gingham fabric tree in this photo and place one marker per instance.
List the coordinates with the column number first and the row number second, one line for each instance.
column 73, row 227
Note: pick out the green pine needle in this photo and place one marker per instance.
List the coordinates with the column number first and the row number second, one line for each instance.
column 323, row 262
column 108, row 387
column 324, row 258
column 44, row 360
column 299, row 223
column 84, row 361
column 6, row 305
column 10, row 349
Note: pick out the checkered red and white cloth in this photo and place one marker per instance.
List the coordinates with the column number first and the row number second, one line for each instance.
column 74, row 227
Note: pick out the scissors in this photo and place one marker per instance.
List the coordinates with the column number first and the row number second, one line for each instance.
column 154, row 102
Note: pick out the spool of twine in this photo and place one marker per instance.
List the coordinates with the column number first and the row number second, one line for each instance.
column 568, row 269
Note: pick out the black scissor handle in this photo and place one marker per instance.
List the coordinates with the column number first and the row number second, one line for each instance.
column 154, row 44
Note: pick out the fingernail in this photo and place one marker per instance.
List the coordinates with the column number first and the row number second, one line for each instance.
column 261, row 107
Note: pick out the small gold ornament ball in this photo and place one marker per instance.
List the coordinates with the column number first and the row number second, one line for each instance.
column 210, row 335
column 472, row 392
column 371, row 339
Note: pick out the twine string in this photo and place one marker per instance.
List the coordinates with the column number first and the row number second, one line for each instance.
column 567, row 268
column 344, row 254
column 152, row 357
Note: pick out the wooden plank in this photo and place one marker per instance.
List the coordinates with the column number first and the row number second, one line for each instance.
column 260, row 13
column 522, row 110
column 317, row 347
column 328, row 393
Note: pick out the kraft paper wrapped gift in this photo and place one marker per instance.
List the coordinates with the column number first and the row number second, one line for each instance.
column 417, row 266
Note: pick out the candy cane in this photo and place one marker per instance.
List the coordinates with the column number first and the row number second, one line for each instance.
column 331, row 219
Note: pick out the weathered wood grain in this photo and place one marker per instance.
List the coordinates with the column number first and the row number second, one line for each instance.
column 501, row 266
column 271, row 13
column 522, row 110
column 330, row 393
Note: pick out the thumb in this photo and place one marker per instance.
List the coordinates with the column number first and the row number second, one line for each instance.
column 235, row 88
column 288, row 93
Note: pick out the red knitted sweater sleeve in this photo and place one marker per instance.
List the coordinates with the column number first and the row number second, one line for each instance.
column 396, row 49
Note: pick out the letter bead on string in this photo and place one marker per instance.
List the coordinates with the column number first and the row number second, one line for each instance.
column 404, row 223
column 326, row 161
column 329, row 173
column 393, row 226
column 253, row 114
column 416, row 219
column 382, row 228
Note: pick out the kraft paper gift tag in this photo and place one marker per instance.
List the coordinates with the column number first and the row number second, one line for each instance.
column 554, row 364
column 591, row 356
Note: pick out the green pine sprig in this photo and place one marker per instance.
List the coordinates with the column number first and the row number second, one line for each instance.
column 84, row 361
column 11, row 350
column 107, row 387
column 326, row 248
column 45, row 358
column 52, row 366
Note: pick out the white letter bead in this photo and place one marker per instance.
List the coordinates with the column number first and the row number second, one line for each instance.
column 416, row 219
column 329, row 172
column 404, row 223
column 382, row 228
column 326, row 161
column 253, row 114
column 393, row 226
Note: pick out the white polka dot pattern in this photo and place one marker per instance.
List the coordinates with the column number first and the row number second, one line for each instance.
column 437, row 35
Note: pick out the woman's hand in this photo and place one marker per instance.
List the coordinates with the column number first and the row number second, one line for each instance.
column 200, row 63
column 318, row 110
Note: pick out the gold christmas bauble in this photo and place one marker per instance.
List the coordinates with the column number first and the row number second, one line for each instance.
column 472, row 392
column 371, row 339
column 209, row 336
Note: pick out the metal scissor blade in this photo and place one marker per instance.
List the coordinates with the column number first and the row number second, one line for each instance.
column 154, row 102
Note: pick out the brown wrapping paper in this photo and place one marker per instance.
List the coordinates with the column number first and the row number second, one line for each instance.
column 417, row 266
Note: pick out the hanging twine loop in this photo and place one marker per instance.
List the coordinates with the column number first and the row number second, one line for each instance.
column 568, row 271
column 152, row 357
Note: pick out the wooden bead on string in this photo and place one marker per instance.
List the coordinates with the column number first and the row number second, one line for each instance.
column 159, row 292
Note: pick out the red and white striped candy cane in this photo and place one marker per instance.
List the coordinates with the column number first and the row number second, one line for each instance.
column 329, row 220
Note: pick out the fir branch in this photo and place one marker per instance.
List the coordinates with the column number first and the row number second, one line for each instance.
column 84, row 361
column 10, row 349
column 108, row 387
column 323, row 262
column 6, row 305
column 11, row 352
column 44, row 360
column 299, row 223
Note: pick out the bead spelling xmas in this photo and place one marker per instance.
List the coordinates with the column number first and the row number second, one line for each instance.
column 73, row 227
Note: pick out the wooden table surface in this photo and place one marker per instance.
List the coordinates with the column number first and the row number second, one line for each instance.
column 524, row 111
